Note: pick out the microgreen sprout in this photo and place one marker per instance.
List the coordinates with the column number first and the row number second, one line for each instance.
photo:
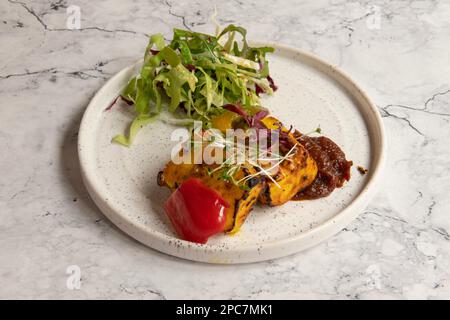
column 317, row 130
column 229, row 167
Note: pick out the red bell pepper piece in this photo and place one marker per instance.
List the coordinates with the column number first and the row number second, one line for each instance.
column 196, row 211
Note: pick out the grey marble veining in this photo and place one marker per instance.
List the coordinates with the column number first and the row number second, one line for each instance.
column 399, row 51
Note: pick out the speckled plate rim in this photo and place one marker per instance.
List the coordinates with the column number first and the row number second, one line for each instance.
column 247, row 253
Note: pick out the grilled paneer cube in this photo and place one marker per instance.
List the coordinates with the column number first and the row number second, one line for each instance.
column 241, row 198
column 294, row 174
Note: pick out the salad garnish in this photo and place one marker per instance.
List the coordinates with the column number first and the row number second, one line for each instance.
column 196, row 76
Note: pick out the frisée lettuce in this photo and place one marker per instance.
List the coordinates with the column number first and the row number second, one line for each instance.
column 195, row 76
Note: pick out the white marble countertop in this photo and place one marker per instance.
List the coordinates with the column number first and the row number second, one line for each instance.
column 399, row 51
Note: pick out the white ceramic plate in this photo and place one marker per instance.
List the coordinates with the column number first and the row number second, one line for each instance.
column 122, row 181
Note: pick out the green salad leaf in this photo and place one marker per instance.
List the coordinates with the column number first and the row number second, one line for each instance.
column 196, row 74
column 138, row 123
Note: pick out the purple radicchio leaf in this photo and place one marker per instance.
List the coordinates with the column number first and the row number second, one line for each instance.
column 272, row 83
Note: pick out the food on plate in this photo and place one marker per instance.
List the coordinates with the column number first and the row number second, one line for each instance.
column 240, row 198
column 194, row 76
column 293, row 175
column 362, row 170
column 333, row 167
column 217, row 80
column 196, row 211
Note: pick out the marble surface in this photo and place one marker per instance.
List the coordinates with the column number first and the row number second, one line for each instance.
column 399, row 51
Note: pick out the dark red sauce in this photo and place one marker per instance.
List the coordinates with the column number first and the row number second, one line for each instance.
column 333, row 167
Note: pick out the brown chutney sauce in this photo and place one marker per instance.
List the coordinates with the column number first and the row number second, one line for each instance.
column 333, row 167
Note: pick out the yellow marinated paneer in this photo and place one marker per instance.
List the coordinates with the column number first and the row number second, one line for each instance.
column 294, row 174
